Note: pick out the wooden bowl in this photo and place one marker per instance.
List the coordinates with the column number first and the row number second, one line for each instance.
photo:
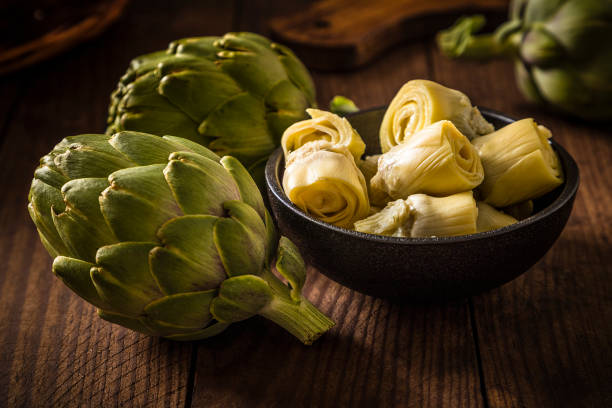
column 417, row 269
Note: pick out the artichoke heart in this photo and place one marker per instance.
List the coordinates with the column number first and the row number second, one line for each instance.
column 421, row 215
column 443, row 216
column 324, row 181
column 519, row 163
column 419, row 103
column 491, row 219
column 323, row 126
column 394, row 220
column 438, row 160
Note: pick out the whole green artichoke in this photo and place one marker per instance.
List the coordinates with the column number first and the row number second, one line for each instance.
column 561, row 50
column 166, row 238
column 235, row 94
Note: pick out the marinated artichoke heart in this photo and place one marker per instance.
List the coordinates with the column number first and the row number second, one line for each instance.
column 490, row 219
column 438, row 160
column 166, row 238
column 323, row 126
column 394, row 220
column 419, row 103
column 519, row 163
column 421, row 215
column 443, row 216
column 323, row 180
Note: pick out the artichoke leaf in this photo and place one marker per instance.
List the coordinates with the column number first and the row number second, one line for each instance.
column 141, row 149
column 75, row 274
column 187, row 260
column 198, row 93
column 44, row 201
column 122, row 276
column 199, row 185
column 189, row 145
column 249, row 193
column 291, row 266
column 82, row 160
column 238, row 127
column 241, row 297
column 238, row 240
column 50, row 176
column 251, row 62
column 186, row 311
column 137, row 202
column 80, row 236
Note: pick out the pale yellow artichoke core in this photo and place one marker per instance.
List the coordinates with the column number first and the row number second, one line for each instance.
column 324, row 126
column 323, row 180
column 421, row 215
column 419, row 103
column 519, row 163
column 394, row 220
column 438, row 160
column 490, row 219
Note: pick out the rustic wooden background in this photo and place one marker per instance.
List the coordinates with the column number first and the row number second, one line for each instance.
column 543, row 340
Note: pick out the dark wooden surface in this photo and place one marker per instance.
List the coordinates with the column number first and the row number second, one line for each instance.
column 543, row 340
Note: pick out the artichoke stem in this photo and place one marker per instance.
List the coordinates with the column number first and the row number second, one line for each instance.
column 302, row 319
column 460, row 40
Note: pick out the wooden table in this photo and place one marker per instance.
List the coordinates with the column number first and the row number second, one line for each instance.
column 543, row 340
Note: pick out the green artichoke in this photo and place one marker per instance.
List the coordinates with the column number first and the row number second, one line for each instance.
column 560, row 47
column 166, row 238
column 235, row 94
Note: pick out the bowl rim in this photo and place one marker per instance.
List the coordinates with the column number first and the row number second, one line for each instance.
column 570, row 187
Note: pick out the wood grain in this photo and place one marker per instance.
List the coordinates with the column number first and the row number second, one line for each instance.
column 545, row 338
column 55, row 350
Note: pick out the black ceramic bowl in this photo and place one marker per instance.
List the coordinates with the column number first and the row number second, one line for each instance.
column 423, row 268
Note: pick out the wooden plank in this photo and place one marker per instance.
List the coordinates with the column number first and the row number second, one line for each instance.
column 55, row 350
column 545, row 337
column 379, row 353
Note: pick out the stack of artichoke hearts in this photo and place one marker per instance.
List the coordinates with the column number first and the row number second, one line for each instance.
column 444, row 171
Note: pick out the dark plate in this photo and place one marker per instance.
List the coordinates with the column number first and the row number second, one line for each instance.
column 423, row 268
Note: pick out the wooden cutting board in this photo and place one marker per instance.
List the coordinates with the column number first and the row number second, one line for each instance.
column 344, row 34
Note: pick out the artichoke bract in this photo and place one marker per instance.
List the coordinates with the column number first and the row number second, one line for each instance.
column 560, row 49
column 324, row 126
column 234, row 94
column 323, row 180
column 419, row 103
column 166, row 238
column 438, row 160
